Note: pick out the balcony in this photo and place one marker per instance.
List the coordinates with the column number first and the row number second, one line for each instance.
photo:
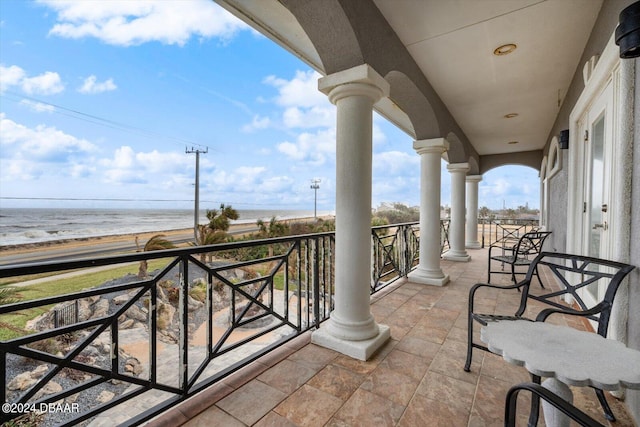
column 416, row 379
column 273, row 374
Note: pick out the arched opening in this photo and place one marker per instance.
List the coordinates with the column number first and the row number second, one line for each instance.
column 510, row 191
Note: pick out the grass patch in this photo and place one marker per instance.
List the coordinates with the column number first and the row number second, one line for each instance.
column 11, row 324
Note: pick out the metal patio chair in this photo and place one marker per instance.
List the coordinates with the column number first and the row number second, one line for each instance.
column 540, row 392
column 572, row 273
column 516, row 253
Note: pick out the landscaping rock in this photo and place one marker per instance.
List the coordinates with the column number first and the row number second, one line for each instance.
column 165, row 315
column 100, row 308
column 126, row 324
column 133, row 365
column 50, row 388
column 121, row 299
column 105, row 396
column 21, row 382
column 134, row 312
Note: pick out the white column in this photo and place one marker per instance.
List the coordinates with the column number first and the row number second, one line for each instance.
column 429, row 271
column 472, row 212
column 351, row 329
column 457, row 251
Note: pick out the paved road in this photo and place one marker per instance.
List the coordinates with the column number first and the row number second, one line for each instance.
column 94, row 251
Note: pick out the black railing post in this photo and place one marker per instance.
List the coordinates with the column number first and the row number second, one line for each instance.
column 153, row 327
column 316, row 283
column 183, row 306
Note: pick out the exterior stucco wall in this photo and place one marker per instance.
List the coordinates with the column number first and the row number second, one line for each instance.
column 633, row 325
column 558, row 194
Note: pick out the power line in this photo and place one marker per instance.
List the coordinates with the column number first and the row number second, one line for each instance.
column 91, row 118
column 88, row 199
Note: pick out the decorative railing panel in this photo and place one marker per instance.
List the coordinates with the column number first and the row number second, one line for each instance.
column 126, row 350
column 140, row 346
column 394, row 253
column 498, row 229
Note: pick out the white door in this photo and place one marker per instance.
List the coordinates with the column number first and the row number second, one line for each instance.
column 597, row 128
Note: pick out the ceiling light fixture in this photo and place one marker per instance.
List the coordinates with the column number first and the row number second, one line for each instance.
column 512, row 142
column 510, row 115
column 505, row 49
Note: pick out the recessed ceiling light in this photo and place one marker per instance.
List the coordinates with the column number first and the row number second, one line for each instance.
column 510, row 115
column 512, row 142
column 505, row 49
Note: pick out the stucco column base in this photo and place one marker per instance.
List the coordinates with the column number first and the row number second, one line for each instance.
column 428, row 277
column 362, row 349
column 472, row 245
column 457, row 256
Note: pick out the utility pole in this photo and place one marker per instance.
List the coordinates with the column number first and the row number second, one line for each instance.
column 315, row 186
column 196, row 212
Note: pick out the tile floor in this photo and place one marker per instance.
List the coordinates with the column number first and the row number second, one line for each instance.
column 416, row 379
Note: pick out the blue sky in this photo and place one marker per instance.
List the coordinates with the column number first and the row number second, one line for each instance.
column 100, row 100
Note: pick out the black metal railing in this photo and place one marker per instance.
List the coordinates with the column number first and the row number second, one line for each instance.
column 205, row 313
column 196, row 322
column 395, row 253
column 498, row 229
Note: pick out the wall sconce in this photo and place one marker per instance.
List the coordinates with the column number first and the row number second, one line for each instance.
column 628, row 31
column 564, row 139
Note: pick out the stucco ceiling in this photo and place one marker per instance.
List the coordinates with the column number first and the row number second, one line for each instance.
column 453, row 43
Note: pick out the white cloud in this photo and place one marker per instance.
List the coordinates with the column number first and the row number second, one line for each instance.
column 257, row 123
column 10, row 76
column 38, row 107
column 318, row 116
column 92, row 86
column 127, row 23
column 42, row 143
column 395, row 162
column 47, row 83
column 129, row 166
column 301, row 91
column 313, row 148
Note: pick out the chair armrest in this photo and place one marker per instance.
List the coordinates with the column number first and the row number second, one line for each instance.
column 510, row 249
column 477, row 286
column 547, row 395
column 542, row 316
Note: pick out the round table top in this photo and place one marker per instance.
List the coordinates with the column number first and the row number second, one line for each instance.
column 574, row 357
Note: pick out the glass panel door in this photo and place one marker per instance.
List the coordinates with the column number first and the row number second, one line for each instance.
column 595, row 197
column 597, row 126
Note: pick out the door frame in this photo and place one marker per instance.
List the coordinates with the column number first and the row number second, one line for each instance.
column 606, row 71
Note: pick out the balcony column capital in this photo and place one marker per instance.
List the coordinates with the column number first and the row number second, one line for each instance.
column 361, row 80
column 458, row 168
column 435, row 145
column 473, row 178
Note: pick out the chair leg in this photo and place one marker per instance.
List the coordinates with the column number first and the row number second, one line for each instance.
column 538, row 276
column 608, row 413
column 535, row 405
column 489, row 271
column 467, row 365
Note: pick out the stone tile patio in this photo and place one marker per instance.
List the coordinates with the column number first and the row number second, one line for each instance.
column 416, row 379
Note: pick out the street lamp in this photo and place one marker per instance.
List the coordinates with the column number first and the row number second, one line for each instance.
column 315, row 186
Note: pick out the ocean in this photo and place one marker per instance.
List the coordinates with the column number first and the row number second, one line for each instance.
column 21, row 226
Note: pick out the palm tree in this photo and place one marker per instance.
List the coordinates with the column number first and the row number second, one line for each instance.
column 155, row 243
column 8, row 295
column 220, row 220
column 207, row 236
